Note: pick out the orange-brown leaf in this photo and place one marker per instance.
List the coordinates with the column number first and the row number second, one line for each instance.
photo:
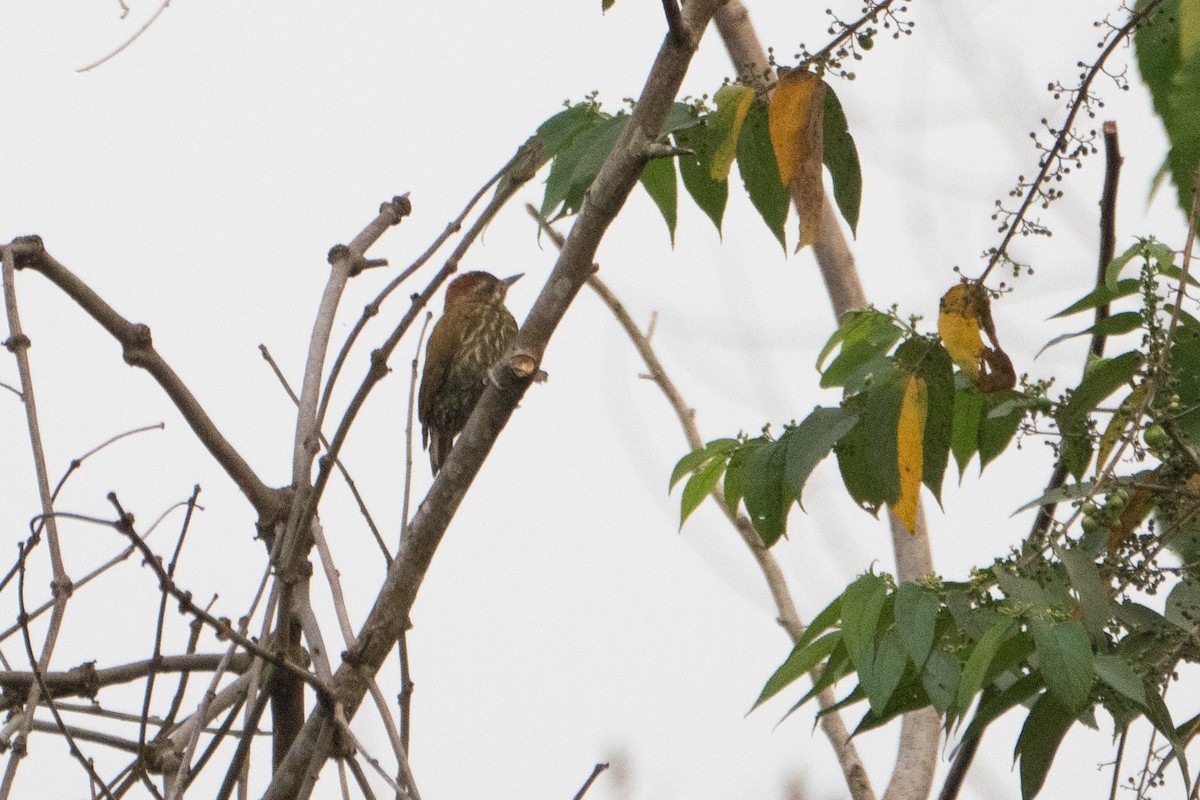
column 910, row 449
column 797, row 127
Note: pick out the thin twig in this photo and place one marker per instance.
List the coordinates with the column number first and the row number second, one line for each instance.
column 117, row 559
column 162, row 615
column 345, row 261
column 18, row 343
column 1116, row 781
column 77, row 462
column 404, row 699
column 789, row 617
column 124, row 525
column 596, row 770
column 1047, row 161
column 350, row 484
column 37, row 666
column 131, row 39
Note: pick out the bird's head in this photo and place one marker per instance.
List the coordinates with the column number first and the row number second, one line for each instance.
column 478, row 287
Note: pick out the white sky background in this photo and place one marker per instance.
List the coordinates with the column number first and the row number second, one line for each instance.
column 197, row 181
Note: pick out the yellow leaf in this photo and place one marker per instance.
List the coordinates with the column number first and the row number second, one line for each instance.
column 1189, row 28
column 958, row 325
column 910, row 450
column 733, row 101
column 797, row 124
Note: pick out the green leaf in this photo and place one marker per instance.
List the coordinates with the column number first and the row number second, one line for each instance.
column 1025, row 591
column 658, row 178
column 964, row 430
column 863, row 338
column 766, row 497
column 1071, row 491
column 694, row 459
column 1115, row 325
column 862, row 603
column 1185, row 369
column 605, row 5
column 867, row 455
column 1099, row 296
column 1112, row 272
column 886, row 669
column 700, row 486
column 993, row 703
column 1173, row 77
column 1094, row 602
column 978, row 662
column 760, row 172
column 679, row 117
column 822, row 622
column 1044, row 729
column 556, row 132
column 1103, row 377
column 940, row 678
column 797, row 665
column 841, row 158
column 1065, row 661
column 696, row 170
column 810, row 441
column 1183, row 606
column 735, row 474
column 1156, row 42
column 1118, row 674
column 908, row 696
column 916, row 615
column 996, row 431
column 577, row 165
column 837, row 666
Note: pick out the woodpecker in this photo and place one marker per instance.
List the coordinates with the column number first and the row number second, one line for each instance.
column 473, row 333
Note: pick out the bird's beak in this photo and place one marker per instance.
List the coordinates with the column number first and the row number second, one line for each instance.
column 510, row 280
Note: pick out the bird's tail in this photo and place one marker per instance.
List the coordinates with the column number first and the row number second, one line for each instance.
column 440, row 443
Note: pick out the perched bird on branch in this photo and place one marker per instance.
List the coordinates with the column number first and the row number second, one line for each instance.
column 473, row 333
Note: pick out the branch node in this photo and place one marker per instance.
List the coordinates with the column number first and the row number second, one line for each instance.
column 138, row 346
column 18, row 342
column 399, row 207
column 27, row 250
column 675, row 24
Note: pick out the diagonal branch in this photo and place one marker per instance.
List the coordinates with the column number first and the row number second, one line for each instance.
column 138, row 351
column 612, row 186
column 920, row 730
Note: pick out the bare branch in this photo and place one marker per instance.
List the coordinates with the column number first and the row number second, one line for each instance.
column 616, row 179
column 131, row 39
column 789, row 618
column 350, row 484
column 138, row 351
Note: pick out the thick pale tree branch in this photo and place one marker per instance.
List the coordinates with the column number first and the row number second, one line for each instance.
column 920, row 729
column 294, row 778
